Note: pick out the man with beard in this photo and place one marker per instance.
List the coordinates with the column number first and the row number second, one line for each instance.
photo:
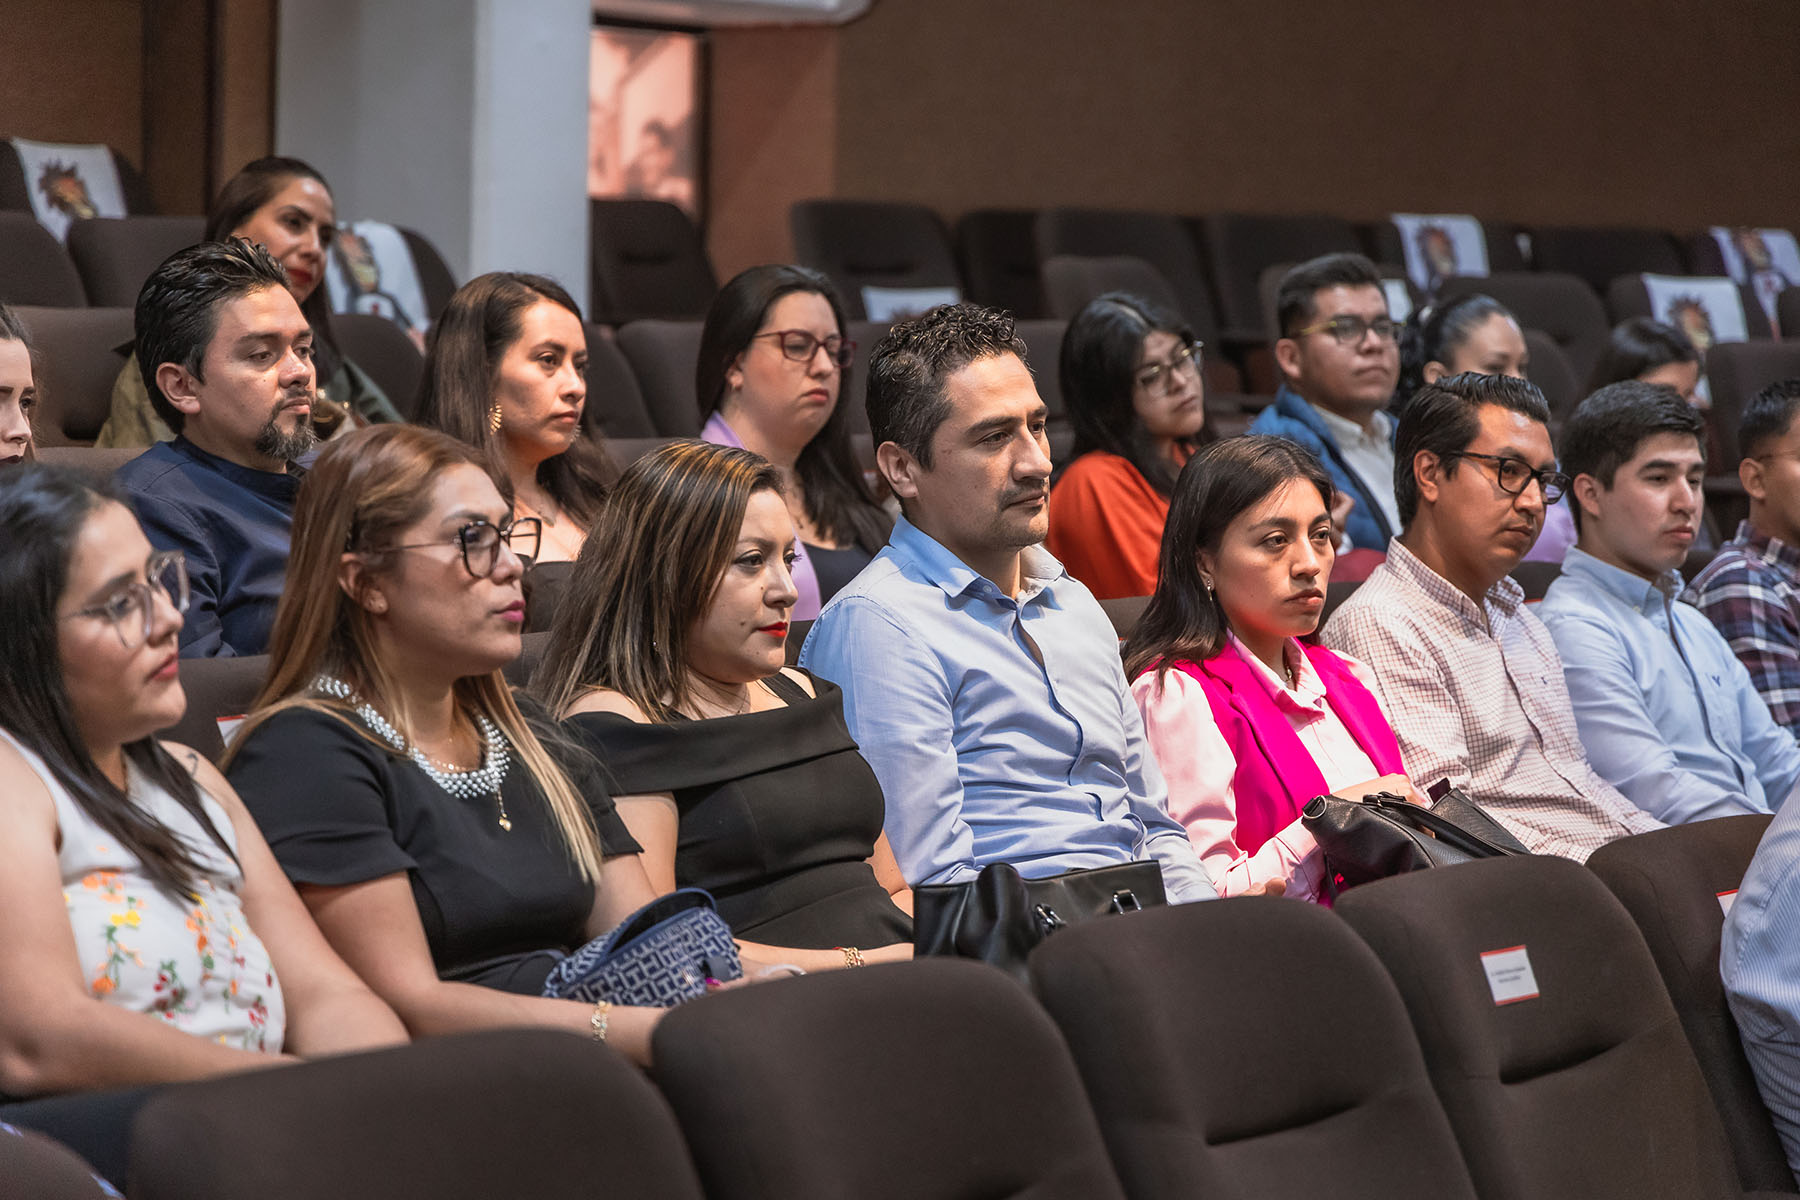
column 981, row 681
column 227, row 356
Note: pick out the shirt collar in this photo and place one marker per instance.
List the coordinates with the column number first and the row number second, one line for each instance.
column 1647, row 596
column 1038, row 568
column 282, row 485
column 1308, row 691
column 1506, row 597
column 1344, row 430
column 1771, row 550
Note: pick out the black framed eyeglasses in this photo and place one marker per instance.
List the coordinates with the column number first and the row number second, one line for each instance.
column 1514, row 473
column 1158, row 378
column 480, row 543
column 1350, row 331
column 132, row 609
column 797, row 345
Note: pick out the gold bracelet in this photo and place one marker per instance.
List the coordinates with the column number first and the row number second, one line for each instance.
column 852, row 956
column 597, row 1022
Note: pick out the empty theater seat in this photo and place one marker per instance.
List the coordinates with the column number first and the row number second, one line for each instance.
column 34, row 267
column 646, row 260
column 867, row 244
column 1597, row 256
column 998, row 255
column 662, row 356
column 1240, row 246
column 115, row 255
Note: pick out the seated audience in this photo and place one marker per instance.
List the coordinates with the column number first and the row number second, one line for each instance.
column 505, row 372
column 981, row 681
column 1247, row 723
column 773, row 375
column 1759, row 962
column 1666, row 713
column 285, row 206
column 1131, row 382
column 18, row 392
column 1340, row 361
column 1751, row 588
column 1648, row 350
column 734, row 774
column 228, row 356
column 1469, row 675
column 447, row 855
column 149, row 935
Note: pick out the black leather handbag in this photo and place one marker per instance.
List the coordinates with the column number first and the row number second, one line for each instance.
column 1382, row 834
column 1002, row 916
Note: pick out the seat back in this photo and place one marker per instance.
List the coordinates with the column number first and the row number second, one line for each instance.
column 615, row 403
column 15, row 189
column 1547, row 1032
column 1240, row 246
column 1499, row 238
column 1252, row 1047
column 1560, row 305
column 217, row 689
column 1735, row 372
column 1787, row 311
column 435, row 277
column 1600, row 255
column 938, row 1077
column 1072, row 281
column 43, row 1169
column 646, row 260
column 512, row 1113
column 381, row 348
column 1671, row 881
column 1548, row 367
column 663, row 355
column 34, row 267
column 997, row 251
column 97, row 464
column 1629, row 296
column 76, row 360
column 1043, row 351
column 114, row 255
column 1160, row 239
column 866, row 243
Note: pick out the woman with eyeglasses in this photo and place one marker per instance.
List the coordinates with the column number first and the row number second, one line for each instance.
column 773, row 368
column 505, row 373
column 449, row 854
column 1131, row 383
column 1247, row 722
column 149, row 935
column 18, row 392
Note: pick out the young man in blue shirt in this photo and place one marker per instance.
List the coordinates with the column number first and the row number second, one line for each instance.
column 1668, row 714
column 227, row 357
column 982, row 681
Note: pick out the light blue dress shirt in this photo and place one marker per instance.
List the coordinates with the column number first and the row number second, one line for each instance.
column 1667, row 713
column 1759, row 961
column 985, row 754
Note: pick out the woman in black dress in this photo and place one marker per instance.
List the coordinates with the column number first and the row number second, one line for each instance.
column 734, row 774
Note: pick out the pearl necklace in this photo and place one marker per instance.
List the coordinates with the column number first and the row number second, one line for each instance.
column 484, row 780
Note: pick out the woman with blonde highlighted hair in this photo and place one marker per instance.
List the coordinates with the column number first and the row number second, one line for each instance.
column 438, row 841
column 735, row 774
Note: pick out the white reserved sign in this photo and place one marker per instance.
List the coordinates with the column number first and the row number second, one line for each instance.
column 1509, row 975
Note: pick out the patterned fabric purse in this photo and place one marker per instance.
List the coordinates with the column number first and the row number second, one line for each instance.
column 658, row 957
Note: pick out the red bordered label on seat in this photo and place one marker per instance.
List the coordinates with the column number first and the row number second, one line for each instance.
column 1726, row 900
column 1509, row 975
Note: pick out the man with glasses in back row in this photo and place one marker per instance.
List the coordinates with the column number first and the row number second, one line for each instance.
column 1469, row 675
column 1340, row 361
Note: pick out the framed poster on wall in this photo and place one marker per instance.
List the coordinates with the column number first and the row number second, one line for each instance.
column 645, row 115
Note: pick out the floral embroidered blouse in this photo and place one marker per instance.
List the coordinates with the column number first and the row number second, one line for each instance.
column 193, row 962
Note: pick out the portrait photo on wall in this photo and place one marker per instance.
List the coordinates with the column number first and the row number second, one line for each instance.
column 644, row 115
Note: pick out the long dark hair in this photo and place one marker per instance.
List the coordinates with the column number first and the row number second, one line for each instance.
column 1182, row 623
column 1435, row 333
column 1099, row 365
column 1638, row 345
column 251, row 188
column 838, row 502
column 462, row 360
column 42, row 512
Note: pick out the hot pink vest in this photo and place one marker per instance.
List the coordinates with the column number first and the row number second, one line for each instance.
column 1276, row 775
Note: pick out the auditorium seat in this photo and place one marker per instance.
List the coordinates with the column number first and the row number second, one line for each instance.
column 1560, row 305
column 382, row 349
column 512, row 1113
column 1628, row 296
column 34, row 267
column 1597, row 256
column 1043, row 353
column 998, row 254
column 1735, row 372
column 1787, row 312
column 1501, row 239
column 1252, row 1047
column 435, row 277
column 115, row 255
column 1548, row 367
column 1547, row 1032
column 865, row 334
column 646, row 261
column 1160, row 239
column 531, row 652
column 98, row 465
column 1124, row 612
column 663, row 355
column 867, row 243
column 796, row 640
column 1671, row 881
column 77, row 356
column 15, row 190
column 899, row 1081
column 615, row 403
column 1240, row 246
column 1071, row 281
column 217, row 689
column 35, row 1167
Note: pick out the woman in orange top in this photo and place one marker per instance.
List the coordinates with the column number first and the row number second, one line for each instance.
column 1131, row 381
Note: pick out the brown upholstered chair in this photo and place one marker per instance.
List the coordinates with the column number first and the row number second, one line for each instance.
column 646, row 260
column 662, row 355
column 998, row 255
column 1240, row 246
column 34, row 267
column 1736, row 371
column 1160, row 239
column 615, row 403
column 382, row 349
column 1597, row 256
column 79, row 353
column 114, row 255
column 866, row 243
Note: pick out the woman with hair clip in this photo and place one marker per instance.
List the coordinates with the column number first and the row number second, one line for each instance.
column 735, row 774
column 149, row 936
column 284, row 205
column 451, row 857
column 18, row 392
column 1248, row 722
column 772, row 376
column 505, row 372
column 1131, row 382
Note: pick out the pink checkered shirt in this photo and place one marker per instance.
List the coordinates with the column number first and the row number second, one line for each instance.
column 1477, row 695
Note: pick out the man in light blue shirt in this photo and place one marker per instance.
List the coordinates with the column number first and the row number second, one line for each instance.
column 980, row 679
column 1666, row 711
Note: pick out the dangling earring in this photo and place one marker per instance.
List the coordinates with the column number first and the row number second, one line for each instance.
column 1207, row 584
column 494, row 419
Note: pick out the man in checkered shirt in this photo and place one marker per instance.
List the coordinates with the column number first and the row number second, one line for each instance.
column 1469, row 675
column 1751, row 589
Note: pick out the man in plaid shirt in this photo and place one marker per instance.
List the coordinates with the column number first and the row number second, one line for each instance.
column 1751, row 589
